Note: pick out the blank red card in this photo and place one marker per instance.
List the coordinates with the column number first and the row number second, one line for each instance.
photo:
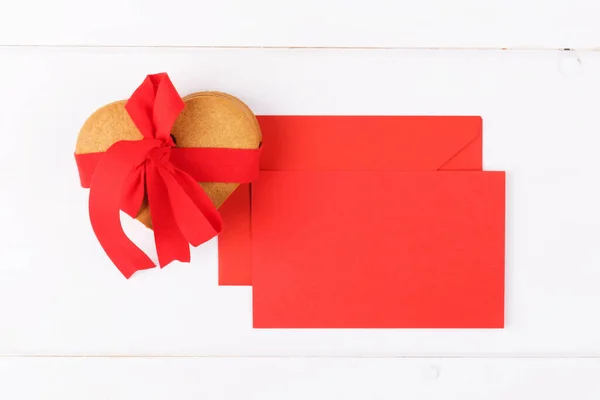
column 378, row 249
column 351, row 143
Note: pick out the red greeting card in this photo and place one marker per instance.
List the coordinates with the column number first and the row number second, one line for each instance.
column 378, row 249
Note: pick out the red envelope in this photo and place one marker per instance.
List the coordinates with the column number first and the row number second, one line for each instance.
column 338, row 143
column 378, row 249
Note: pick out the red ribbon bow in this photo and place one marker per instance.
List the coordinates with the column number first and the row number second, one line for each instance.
column 181, row 212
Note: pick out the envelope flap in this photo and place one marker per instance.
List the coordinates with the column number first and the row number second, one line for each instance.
column 410, row 143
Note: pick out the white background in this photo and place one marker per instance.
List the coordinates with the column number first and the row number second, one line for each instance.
column 72, row 327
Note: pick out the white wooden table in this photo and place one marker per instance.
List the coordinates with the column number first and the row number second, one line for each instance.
column 72, row 327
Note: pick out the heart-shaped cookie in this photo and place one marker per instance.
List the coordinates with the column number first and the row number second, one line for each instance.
column 209, row 119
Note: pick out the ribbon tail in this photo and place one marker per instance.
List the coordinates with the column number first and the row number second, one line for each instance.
column 196, row 216
column 200, row 199
column 171, row 244
column 105, row 199
column 133, row 192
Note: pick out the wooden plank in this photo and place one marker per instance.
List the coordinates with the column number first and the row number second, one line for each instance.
column 335, row 23
column 61, row 295
column 247, row 378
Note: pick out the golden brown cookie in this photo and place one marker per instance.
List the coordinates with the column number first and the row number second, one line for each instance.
column 209, row 119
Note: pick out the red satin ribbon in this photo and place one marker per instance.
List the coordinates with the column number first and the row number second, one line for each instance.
column 181, row 212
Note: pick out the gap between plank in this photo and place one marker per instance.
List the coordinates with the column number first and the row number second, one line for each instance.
column 449, row 48
column 417, row 357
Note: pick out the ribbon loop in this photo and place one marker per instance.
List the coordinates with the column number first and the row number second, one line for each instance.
column 154, row 107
